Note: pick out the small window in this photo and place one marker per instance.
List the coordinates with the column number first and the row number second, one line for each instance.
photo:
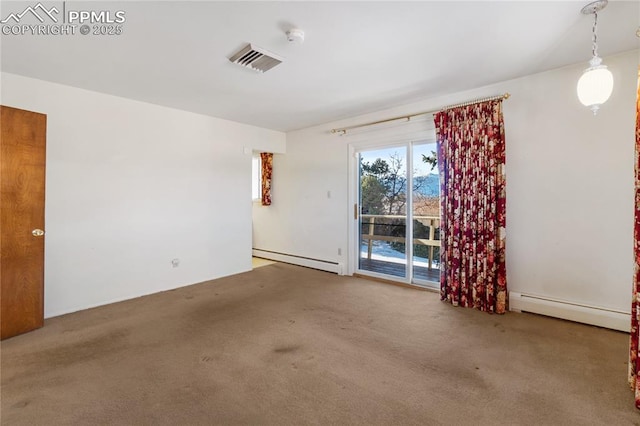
column 256, row 177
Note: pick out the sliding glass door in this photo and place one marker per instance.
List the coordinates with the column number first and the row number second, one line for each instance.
column 425, row 209
column 383, row 211
column 398, row 221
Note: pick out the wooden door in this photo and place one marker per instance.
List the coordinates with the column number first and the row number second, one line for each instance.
column 22, row 174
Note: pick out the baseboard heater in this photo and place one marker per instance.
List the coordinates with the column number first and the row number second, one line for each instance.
column 601, row 317
column 308, row 262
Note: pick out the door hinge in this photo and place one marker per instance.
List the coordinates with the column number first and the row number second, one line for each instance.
column 355, row 211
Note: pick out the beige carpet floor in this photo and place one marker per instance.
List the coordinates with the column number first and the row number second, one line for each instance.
column 285, row 345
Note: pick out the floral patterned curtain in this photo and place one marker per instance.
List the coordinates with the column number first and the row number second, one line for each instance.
column 267, row 168
column 471, row 161
column 634, row 361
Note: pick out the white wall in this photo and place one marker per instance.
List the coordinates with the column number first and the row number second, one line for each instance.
column 131, row 186
column 569, row 185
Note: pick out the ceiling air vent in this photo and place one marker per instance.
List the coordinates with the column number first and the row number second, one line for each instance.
column 256, row 58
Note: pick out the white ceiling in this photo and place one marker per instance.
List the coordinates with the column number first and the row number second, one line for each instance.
column 358, row 57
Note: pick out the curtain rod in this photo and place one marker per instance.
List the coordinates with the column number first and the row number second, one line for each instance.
column 343, row 131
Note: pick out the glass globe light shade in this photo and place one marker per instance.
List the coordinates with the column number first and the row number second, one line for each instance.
column 595, row 85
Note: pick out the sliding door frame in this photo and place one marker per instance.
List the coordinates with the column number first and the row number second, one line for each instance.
column 353, row 251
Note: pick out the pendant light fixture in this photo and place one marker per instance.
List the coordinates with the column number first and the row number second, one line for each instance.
column 596, row 84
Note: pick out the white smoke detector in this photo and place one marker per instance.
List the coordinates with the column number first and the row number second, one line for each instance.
column 295, row 35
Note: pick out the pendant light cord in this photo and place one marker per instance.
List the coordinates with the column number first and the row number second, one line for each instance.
column 594, row 48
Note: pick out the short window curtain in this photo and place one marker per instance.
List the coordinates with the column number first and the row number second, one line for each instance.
column 267, row 169
column 471, row 162
column 634, row 360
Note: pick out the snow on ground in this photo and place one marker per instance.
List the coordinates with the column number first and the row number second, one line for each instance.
column 382, row 250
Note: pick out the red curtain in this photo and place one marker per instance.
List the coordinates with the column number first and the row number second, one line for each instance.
column 634, row 361
column 471, row 160
column 267, row 169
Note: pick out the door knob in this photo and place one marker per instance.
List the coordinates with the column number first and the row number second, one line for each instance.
column 37, row 232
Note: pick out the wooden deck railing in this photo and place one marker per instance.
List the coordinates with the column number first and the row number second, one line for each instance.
column 432, row 222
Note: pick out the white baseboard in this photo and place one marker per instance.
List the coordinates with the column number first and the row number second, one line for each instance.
column 322, row 265
column 602, row 317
